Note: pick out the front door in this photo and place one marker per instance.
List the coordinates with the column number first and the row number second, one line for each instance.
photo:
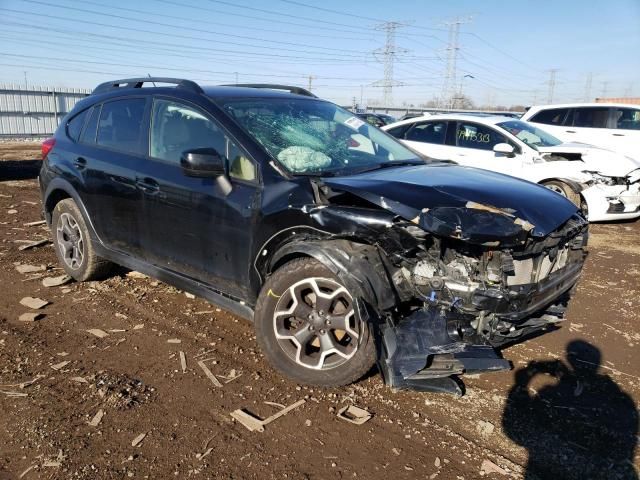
column 195, row 226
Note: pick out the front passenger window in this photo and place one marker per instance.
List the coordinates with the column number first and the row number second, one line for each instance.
column 176, row 128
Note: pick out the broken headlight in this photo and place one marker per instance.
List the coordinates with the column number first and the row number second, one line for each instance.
column 598, row 179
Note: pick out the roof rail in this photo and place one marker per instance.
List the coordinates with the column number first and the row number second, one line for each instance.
column 273, row 86
column 138, row 82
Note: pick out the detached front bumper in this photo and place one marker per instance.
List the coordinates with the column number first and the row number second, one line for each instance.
column 616, row 202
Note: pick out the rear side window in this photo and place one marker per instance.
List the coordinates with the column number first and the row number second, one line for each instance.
column 431, row 132
column 120, row 125
column 590, row 117
column 552, row 116
column 74, row 126
column 89, row 132
column 399, row 131
column 627, row 118
column 473, row 135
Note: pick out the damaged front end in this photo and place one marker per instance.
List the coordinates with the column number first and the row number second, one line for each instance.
column 468, row 278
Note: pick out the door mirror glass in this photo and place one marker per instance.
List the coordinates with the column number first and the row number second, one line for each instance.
column 503, row 148
column 202, row 162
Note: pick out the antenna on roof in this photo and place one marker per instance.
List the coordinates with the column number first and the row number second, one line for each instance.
column 149, row 75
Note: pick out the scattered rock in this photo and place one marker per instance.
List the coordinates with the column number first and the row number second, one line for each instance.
column 189, row 295
column 56, row 281
column 139, row 326
column 485, row 428
column 31, row 316
column 12, row 211
column 35, row 303
column 437, row 462
column 396, row 451
column 79, row 379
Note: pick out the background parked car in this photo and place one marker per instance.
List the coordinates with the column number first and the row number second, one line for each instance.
column 604, row 183
column 373, row 119
column 606, row 125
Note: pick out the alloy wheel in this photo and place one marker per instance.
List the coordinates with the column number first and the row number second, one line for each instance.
column 70, row 241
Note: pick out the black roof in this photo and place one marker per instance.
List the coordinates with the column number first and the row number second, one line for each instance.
column 233, row 91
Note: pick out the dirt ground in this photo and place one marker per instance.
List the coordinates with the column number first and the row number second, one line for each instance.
column 570, row 414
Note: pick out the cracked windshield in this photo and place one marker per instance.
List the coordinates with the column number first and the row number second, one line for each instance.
column 310, row 137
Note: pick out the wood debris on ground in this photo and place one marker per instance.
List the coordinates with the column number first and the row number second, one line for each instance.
column 33, row 244
column 26, row 268
column 56, row 281
column 353, row 414
column 31, row 316
column 97, row 418
column 210, row 375
column 35, row 303
column 174, row 340
column 136, row 441
column 34, row 224
column 183, row 361
column 255, row 424
column 489, row 467
column 97, row 332
column 79, row 379
column 60, row 365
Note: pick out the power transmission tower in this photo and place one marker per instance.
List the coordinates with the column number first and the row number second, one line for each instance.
column 605, row 85
column 453, row 47
column 552, row 84
column 389, row 55
column 587, row 87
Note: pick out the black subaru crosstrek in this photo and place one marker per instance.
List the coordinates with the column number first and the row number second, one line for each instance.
column 343, row 246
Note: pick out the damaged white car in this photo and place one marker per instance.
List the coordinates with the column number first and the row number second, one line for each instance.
column 604, row 183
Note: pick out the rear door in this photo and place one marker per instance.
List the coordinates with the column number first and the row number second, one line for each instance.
column 554, row 121
column 428, row 138
column 589, row 125
column 625, row 131
column 193, row 226
column 113, row 144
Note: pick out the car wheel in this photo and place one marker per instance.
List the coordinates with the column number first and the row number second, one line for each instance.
column 564, row 190
column 73, row 244
column 308, row 327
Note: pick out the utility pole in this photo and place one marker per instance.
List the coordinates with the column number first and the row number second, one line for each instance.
column 389, row 55
column 25, row 79
column 453, row 47
column 236, row 74
column 310, row 77
column 361, row 94
column 628, row 92
column 535, row 97
column 587, row 87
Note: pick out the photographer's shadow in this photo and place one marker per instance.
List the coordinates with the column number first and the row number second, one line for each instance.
column 583, row 426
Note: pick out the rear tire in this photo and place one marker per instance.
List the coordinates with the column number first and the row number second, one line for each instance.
column 299, row 331
column 565, row 190
column 73, row 244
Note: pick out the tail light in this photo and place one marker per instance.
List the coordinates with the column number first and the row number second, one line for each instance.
column 46, row 147
column 351, row 143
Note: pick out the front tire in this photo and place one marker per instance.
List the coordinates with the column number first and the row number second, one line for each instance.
column 564, row 190
column 308, row 327
column 73, row 244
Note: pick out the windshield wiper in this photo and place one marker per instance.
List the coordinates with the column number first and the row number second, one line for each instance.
column 392, row 164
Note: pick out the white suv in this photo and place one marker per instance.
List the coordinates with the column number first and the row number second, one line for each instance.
column 607, row 125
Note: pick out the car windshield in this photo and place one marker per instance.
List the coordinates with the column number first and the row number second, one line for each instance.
column 314, row 137
column 532, row 136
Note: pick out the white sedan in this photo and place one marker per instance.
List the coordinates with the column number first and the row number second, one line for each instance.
column 604, row 183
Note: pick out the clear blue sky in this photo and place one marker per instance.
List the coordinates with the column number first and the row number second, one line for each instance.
column 508, row 47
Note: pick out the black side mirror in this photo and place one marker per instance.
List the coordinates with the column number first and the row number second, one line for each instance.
column 202, row 162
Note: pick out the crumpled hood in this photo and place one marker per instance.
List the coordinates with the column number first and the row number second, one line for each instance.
column 596, row 159
column 461, row 202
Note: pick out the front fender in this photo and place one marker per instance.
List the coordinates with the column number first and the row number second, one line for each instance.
column 358, row 266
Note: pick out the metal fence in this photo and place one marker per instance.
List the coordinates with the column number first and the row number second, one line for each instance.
column 27, row 112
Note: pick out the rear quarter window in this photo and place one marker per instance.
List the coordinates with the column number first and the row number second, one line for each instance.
column 75, row 124
column 551, row 116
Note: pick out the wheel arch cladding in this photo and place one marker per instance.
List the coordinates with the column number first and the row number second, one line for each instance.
column 359, row 266
column 54, row 197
